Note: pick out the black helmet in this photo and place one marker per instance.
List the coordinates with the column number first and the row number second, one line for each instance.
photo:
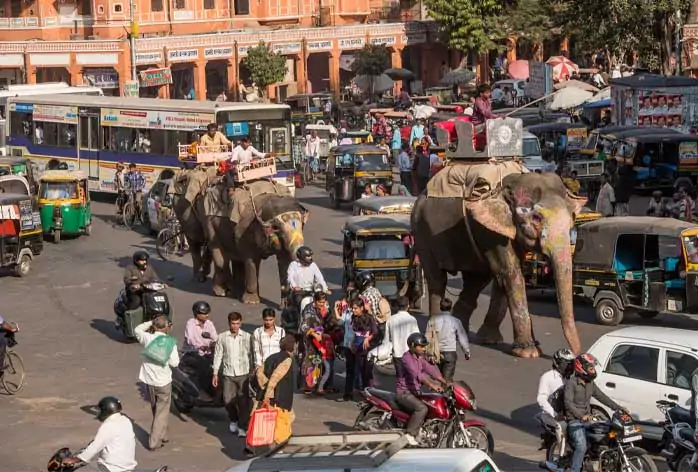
column 562, row 361
column 585, row 367
column 304, row 254
column 140, row 256
column 200, row 308
column 107, row 407
column 364, row 279
column 417, row 339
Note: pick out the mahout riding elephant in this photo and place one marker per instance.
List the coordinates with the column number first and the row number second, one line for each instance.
column 486, row 240
column 269, row 222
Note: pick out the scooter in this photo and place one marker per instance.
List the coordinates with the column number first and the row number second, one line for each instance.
column 678, row 445
column 191, row 382
column 155, row 303
column 55, row 463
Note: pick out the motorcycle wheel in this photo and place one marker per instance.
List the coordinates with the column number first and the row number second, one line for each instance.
column 643, row 462
column 180, row 405
column 480, row 437
column 684, row 464
column 372, row 421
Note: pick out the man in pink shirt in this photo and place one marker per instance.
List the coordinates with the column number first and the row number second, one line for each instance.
column 200, row 333
column 482, row 111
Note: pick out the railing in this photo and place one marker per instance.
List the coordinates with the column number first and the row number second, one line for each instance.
column 49, row 21
column 392, row 13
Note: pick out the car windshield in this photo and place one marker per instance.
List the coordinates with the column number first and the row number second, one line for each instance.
column 368, row 162
column 57, row 190
column 382, row 249
column 531, row 148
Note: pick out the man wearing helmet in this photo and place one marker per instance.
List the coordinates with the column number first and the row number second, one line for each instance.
column 416, row 371
column 304, row 275
column 366, row 285
column 135, row 275
column 200, row 334
column 550, row 389
column 578, row 393
column 114, row 446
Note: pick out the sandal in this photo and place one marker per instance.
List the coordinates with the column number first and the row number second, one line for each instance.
column 320, row 392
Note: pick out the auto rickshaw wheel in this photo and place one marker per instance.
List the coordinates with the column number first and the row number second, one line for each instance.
column 88, row 229
column 57, row 236
column 23, row 266
column 608, row 313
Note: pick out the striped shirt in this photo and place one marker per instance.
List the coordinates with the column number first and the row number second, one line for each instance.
column 266, row 344
column 234, row 352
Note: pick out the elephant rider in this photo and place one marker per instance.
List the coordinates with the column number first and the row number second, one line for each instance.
column 416, row 371
column 550, row 389
column 5, row 326
column 114, row 446
column 136, row 275
column 578, row 393
column 304, row 276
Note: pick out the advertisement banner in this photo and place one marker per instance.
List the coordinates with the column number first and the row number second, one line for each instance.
column 155, row 77
column 183, row 121
column 55, row 114
column 688, row 152
column 576, row 138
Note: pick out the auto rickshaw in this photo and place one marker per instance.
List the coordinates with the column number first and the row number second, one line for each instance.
column 547, row 133
column 382, row 244
column 637, row 264
column 536, row 268
column 21, row 237
column 351, row 167
column 64, row 203
column 22, row 167
column 384, row 205
column 14, row 184
column 307, row 108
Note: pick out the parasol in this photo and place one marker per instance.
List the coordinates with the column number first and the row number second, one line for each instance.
column 518, row 69
column 381, row 83
column 399, row 74
column 576, row 84
column 562, row 67
column 570, row 97
column 457, row 77
column 604, row 94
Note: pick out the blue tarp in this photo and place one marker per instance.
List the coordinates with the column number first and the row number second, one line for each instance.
column 600, row 104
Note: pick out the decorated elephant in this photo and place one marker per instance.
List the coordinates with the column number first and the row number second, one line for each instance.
column 236, row 228
column 485, row 236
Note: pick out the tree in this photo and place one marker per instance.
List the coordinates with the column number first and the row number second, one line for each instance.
column 371, row 61
column 266, row 67
column 531, row 22
column 469, row 25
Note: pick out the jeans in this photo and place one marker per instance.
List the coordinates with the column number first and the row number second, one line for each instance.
column 578, row 441
column 365, row 369
column 350, row 372
column 417, row 407
column 447, row 366
column 326, row 374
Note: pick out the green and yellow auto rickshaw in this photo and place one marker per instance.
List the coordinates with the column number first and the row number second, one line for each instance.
column 64, row 203
column 352, row 167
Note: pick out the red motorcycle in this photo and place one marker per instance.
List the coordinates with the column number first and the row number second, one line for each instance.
column 445, row 426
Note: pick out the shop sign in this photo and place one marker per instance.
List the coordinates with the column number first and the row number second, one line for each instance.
column 218, row 53
column 320, row 45
column 22, row 107
column 153, row 119
column 242, row 50
column 352, row 43
column 55, row 114
column 183, row 54
column 540, row 81
column 286, row 48
column 415, row 38
column 131, row 88
column 103, row 78
column 155, row 77
column 385, row 41
column 149, row 57
column 688, row 152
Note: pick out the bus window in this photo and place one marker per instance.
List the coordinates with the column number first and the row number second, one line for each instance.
column 20, row 124
column 55, row 134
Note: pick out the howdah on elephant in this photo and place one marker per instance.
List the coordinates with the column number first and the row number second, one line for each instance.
column 485, row 239
column 236, row 228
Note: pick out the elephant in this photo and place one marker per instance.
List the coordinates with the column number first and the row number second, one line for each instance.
column 486, row 240
column 271, row 224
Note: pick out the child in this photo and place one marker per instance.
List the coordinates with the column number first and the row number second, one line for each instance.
column 325, row 348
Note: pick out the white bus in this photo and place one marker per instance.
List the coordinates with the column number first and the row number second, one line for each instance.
column 92, row 134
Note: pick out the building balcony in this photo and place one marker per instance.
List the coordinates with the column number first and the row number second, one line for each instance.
column 394, row 12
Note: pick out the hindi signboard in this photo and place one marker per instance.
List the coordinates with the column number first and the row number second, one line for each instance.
column 540, row 80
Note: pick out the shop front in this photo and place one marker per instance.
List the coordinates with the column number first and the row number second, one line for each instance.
column 151, row 80
column 106, row 79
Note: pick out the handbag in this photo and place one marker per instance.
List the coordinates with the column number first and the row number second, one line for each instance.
column 262, row 426
column 160, row 349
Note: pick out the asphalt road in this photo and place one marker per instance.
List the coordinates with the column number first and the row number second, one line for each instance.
column 74, row 357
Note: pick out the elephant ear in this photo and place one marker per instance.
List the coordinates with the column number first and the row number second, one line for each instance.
column 494, row 214
column 575, row 202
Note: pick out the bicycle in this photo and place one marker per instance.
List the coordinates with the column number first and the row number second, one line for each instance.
column 132, row 210
column 170, row 239
column 12, row 367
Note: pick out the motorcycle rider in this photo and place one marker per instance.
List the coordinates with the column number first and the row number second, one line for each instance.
column 114, row 446
column 578, row 393
column 136, row 275
column 199, row 333
column 304, row 275
column 550, row 389
column 416, row 371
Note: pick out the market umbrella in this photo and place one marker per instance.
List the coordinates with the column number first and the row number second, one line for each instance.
column 569, row 98
column 381, row 83
column 604, row 94
column 457, row 77
column 518, row 69
column 562, row 67
column 576, row 84
column 399, row 74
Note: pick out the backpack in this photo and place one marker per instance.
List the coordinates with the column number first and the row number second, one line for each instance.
column 557, row 400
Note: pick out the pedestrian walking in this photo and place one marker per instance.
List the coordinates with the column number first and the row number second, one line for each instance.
column 449, row 333
column 234, row 352
column 157, row 376
column 404, row 165
column 267, row 337
column 398, row 328
column 606, row 200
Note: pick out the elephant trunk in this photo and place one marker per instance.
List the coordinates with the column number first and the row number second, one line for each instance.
column 560, row 256
column 291, row 240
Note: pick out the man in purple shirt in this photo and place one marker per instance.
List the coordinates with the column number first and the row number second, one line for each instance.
column 416, row 371
column 482, row 111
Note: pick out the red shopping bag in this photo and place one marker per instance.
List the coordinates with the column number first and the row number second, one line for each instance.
column 262, row 425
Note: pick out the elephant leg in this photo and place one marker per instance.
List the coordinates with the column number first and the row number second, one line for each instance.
column 220, row 267
column 436, row 285
column 489, row 332
column 197, row 261
column 251, row 294
column 237, row 285
column 206, row 261
column 464, row 307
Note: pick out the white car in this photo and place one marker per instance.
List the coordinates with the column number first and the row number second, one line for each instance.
column 640, row 365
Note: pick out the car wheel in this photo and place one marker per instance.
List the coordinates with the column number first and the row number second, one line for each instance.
column 608, row 313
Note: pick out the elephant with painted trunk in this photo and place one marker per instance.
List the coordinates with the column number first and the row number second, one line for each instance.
column 236, row 229
column 485, row 236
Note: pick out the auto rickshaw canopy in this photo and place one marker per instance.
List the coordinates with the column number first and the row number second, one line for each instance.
column 552, row 127
column 384, row 205
column 14, row 184
column 62, row 176
column 372, row 225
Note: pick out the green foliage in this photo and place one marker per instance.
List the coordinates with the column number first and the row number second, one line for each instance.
column 470, row 25
column 530, row 19
column 266, row 67
column 371, row 60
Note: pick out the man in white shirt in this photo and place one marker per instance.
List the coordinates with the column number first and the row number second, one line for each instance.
column 304, row 275
column 244, row 152
column 312, row 151
column 397, row 329
column 114, row 446
column 234, row 352
column 550, row 383
column 157, row 378
column 267, row 337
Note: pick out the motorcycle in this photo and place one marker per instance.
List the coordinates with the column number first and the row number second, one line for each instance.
column 55, row 463
column 191, row 382
column 155, row 303
column 678, row 445
column 445, row 426
column 609, row 447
